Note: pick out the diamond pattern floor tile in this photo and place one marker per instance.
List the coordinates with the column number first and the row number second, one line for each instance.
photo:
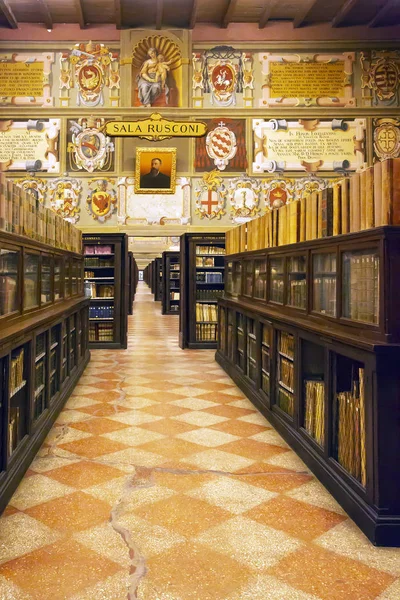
column 159, row 460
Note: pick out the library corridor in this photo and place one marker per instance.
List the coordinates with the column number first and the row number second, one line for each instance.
column 161, row 481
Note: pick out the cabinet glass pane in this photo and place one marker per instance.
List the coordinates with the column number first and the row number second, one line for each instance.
column 9, row 262
column 230, row 338
column 360, row 289
column 276, row 286
column 248, row 278
column 67, row 278
column 297, row 281
column 240, row 340
column 74, row 279
column 251, row 350
column 324, row 284
column 349, row 418
column 260, row 279
column 313, row 376
column 45, row 280
column 31, row 280
column 285, row 373
column 40, row 390
column 265, row 358
column 222, row 329
column 57, row 278
column 18, row 392
column 55, row 344
column 229, row 278
column 237, row 278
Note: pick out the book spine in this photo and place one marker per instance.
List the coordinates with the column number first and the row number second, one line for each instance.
column 10, row 212
column 309, row 211
column 355, row 221
column 387, row 191
column 369, row 198
column 319, row 214
column 345, row 204
column 3, row 202
column 378, row 194
column 363, row 200
column 303, row 214
column 337, row 209
column 314, row 215
column 329, row 211
column 396, row 192
column 323, row 209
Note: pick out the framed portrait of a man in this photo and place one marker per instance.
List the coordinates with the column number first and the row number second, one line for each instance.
column 155, row 171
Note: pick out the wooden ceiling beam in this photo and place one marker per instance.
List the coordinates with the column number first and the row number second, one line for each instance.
column 79, row 14
column 266, row 13
column 193, row 14
column 302, row 16
column 118, row 13
column 8, row 13
column 342, row 13
column 381, row 14
column 159, row 13
column 228, row 13
column 47, row 18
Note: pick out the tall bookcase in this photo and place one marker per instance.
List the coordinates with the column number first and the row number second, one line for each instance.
column 106, row 272
column 157, row 279
column 202, row 283
column 133, row 274
column 43, row 346
column 171, row 283
column 311, row 333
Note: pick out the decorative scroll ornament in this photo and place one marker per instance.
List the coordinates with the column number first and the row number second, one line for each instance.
column 381, row 74
column 65, row 196
column 278, row 192
column 90, row 148
column 89, row 67
column 386, row 138
column 101, row 201
column 37, row 187
column 221, row 145
column 244, row 194
column 210, row 196
column 306, row 185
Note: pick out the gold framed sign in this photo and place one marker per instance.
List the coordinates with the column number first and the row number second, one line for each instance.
column 156, row 128
column 155, row 171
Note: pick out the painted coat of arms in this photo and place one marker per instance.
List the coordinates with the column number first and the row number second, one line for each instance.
column 381, row 75
column 65, row 196
column 37, row 187
column 244, row 194
column 89, row 148
column 278, row 192
column 90, row 67
column 210, row 196
column 101, row 201
column 386, row 138
column 223, row 74
column 221, row 145
column 224, row 146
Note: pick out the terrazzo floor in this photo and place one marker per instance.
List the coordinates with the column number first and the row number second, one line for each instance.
column 160, row 481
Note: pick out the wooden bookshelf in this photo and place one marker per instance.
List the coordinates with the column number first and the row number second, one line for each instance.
column 43, row 346
column 171, row 283
column 202, row 283
column 133, row 274
column 320, row 360
column 106, row 271
column 157, row 279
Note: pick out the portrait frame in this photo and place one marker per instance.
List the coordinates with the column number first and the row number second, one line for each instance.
column 144, row 158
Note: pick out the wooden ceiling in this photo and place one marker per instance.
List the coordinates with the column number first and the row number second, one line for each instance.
column 187, row 13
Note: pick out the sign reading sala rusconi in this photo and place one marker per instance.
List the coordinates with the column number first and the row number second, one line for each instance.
column 156, row 128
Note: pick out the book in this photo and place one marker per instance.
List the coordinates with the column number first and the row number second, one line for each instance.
column 363, row 199
column 337, row 209
column 369, row 198
column 303, row 216
column 314, row 409
column 378, row 194
column 294, row 222
column 345, row 204
column 355, row 221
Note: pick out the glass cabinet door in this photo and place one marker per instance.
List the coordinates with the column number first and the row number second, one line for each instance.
column 67, row 278
column 229, row 278
column 31, row 281
column 285, row 372
column 45, row 279
column 297, row 282
column 9, row 265
column 324, row 283
column 248, row 278
column 237, row 278
column 266, row 358
column 260, row 278
column 276, row 279
column 360, row 287
column 57, row 278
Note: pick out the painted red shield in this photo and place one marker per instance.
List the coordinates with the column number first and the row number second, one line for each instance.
column 90, row 78
column 223, row 78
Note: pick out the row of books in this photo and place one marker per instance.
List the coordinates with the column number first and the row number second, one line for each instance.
column 101, row 332
column 103, row 249
column 297, row 293
column 369, row 198
column 206, row 312
column 351, row 433
column 205, row 261
column 17, row 370
column 210, row 250
column 101, row 312
column 99, row 290
column 361, row 286
column 8, row 294
column 276, row 291
column 314, row 409
column 286, row 344
column 208, row 294
column 213, row 277
column 285, row 401
column 98, row 262
column 286, row 372
column 23, row 214
column 206, row 332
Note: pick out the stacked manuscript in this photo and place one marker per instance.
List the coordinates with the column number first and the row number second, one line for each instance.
column 370, row 198
column 23, row 214
column 314, row 406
